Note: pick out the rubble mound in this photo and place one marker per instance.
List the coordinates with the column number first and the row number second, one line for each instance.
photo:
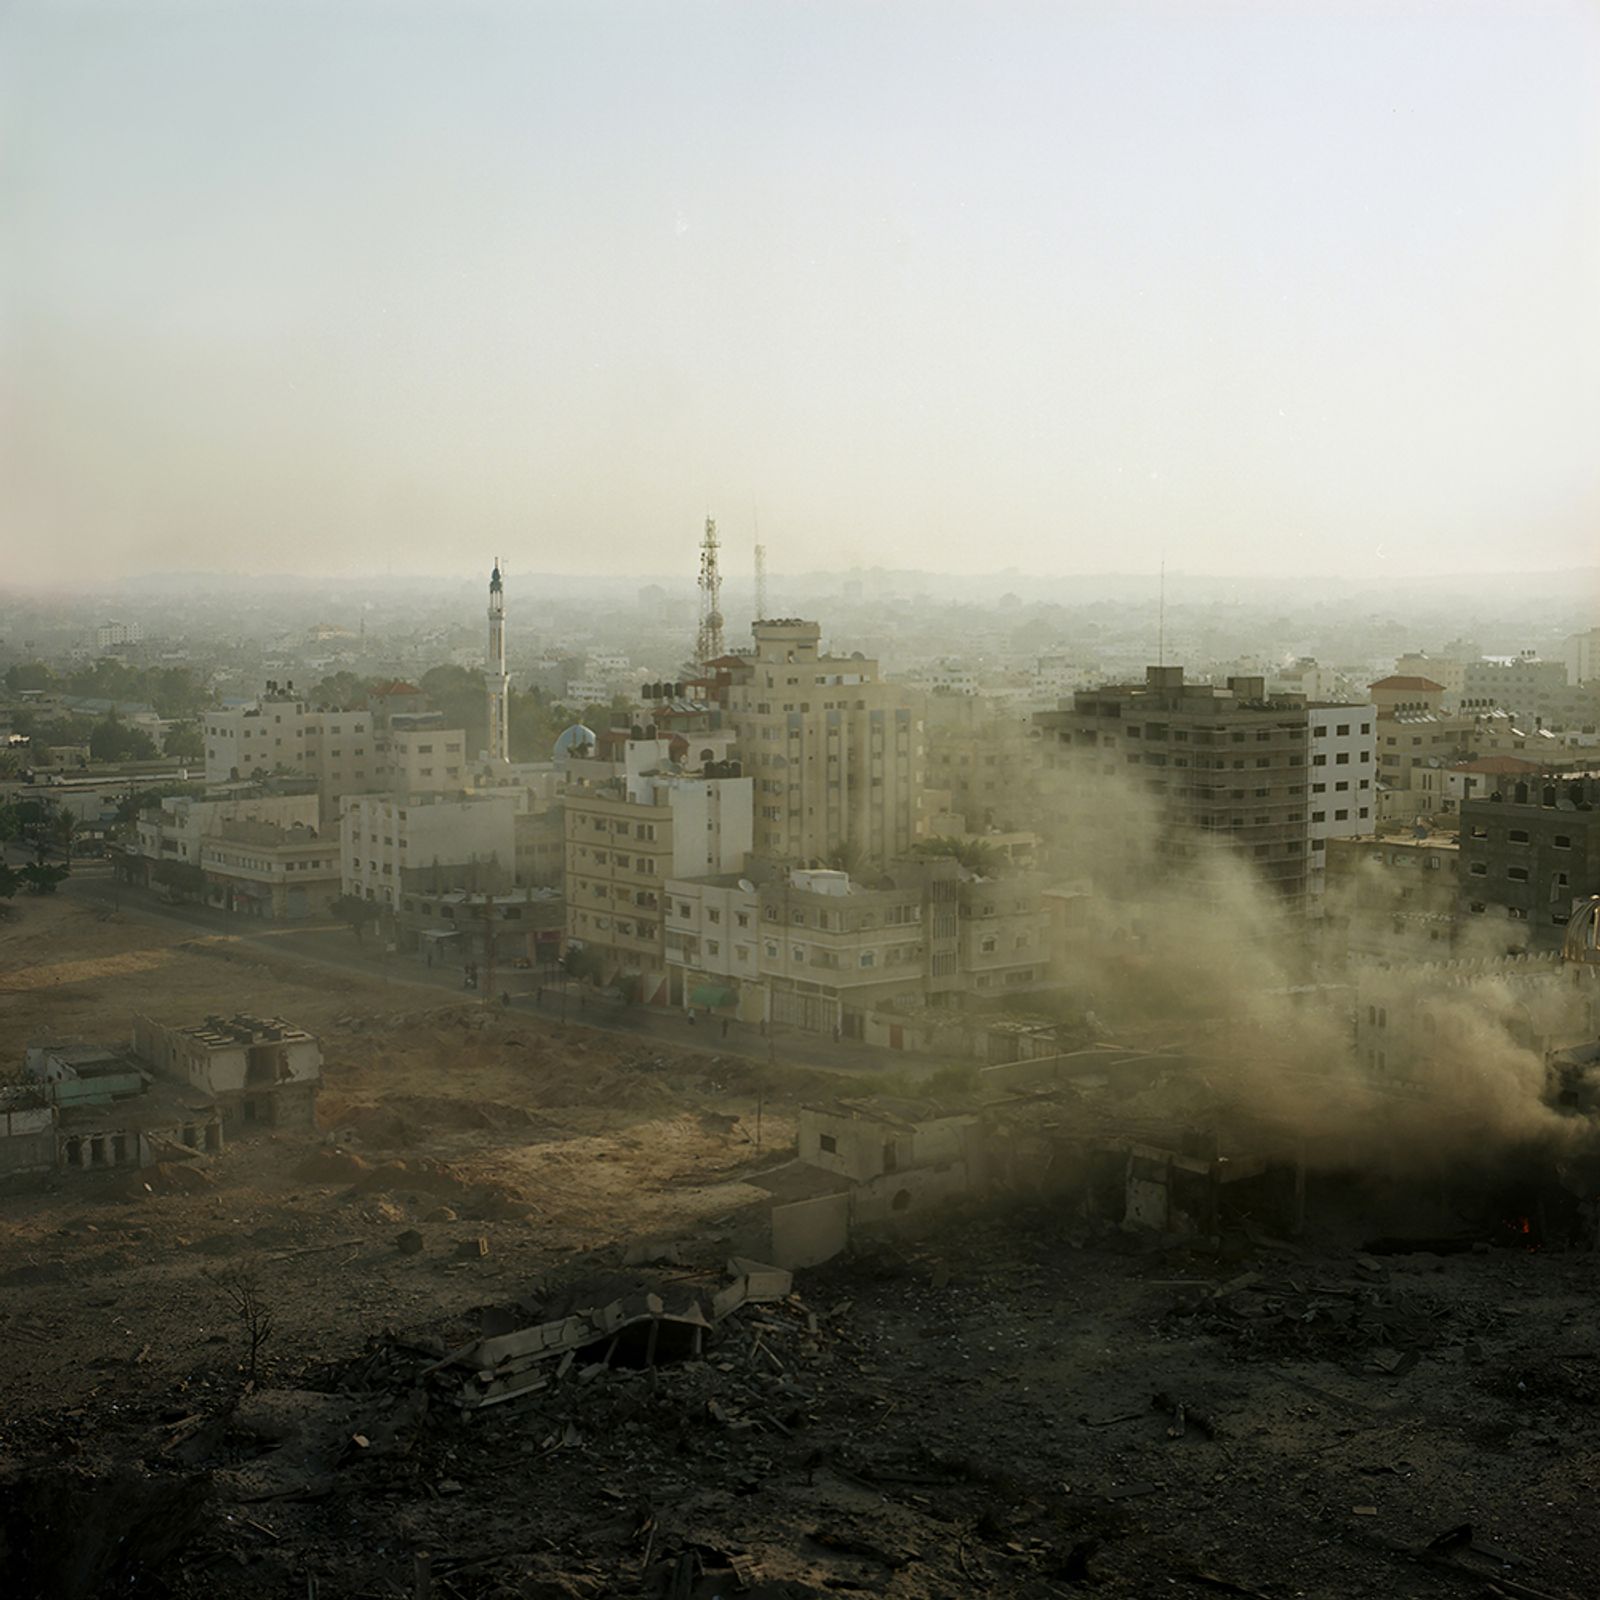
column 333, row 1166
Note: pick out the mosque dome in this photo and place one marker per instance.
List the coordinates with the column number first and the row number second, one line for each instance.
column 577, row 740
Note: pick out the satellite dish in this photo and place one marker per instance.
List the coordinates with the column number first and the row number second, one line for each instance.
column 747, row 886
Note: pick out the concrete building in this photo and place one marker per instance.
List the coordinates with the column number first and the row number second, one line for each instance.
column 1445, row 671
column 1393, row 898
column 381, row 839
column 1582, row 657
column 984, row 756
column 1518, row 684
column 1403, row 694
column 1344, row 777
column 712, row 936
column 262, row 1072
column 426, row 759
column 111, row 634
column 835, row 753
column 1226, row 764
column 626, row 836
column 505, row 938
column 1529, row 852
column 177, row 829
column 264, row 870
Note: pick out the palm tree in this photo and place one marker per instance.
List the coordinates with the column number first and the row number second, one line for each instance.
column 975, row 854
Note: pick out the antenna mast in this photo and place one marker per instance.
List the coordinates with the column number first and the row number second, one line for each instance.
column 1161, row 618
column 761, row 583
column 708, row 642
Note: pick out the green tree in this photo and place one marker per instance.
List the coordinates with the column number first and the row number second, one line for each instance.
column 341, row 691
column 41, row 877
column 113, row 740
column 462, row 695
column 184, row 742
column 29, row 675
column 976, row 855
column 10, row 881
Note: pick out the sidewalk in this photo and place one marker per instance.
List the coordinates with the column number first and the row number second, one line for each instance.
column 333, row 946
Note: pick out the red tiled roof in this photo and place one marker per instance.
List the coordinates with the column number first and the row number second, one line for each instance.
column 1407, row 683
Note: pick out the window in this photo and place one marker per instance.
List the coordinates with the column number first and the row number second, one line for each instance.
column 868, row 958
column 1518, row 836
column 827, row 1144
column 1562, row 841
column 1341, row 816
column 1517, row 874
column 1342, row 759
column 1343, row 730
column 1478, row 869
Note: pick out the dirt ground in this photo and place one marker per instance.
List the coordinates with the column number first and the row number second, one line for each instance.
column 972, row 1412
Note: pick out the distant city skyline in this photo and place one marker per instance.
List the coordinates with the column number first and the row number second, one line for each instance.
column 1075, row 289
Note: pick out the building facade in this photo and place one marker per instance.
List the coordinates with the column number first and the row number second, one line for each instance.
column 836, row 755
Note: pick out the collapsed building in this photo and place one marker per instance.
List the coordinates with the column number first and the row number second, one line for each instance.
column 86, row 1108
column 261, row 1071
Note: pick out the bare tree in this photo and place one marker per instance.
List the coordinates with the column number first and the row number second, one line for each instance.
column 242, row 1291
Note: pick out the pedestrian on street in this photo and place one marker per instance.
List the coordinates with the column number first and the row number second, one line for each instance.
column 691, row 1016
column 724, row 1027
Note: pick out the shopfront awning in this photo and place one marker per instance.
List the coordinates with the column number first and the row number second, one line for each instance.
column 711, row 995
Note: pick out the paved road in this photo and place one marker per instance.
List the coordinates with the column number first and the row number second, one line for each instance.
column 332, row 947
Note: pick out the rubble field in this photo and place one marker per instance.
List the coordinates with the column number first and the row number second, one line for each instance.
column 498, row 1355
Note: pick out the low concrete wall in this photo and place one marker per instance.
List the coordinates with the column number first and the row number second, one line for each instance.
column 806, row 1233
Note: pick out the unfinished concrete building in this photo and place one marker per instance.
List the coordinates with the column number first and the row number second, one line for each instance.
column 262, row 1072
column 1227, row 764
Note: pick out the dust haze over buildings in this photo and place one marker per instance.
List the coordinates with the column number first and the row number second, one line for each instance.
column 662, row 669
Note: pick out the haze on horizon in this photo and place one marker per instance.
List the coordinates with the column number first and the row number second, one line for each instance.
column 1062, row 289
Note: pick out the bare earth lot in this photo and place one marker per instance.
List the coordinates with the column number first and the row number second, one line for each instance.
column 969, row 1413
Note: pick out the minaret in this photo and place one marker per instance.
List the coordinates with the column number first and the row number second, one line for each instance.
column 499, row 737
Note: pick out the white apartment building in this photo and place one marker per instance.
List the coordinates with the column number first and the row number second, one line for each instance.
column 265, row 736
column 1582, row 655
column 109, row 634
column 1342, row 779
column 381, row 837
column 712, row 934
column 424, row 761
column 177, row 829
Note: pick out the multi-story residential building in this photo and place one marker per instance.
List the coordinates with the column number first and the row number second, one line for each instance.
column 713, row 932
column 818, row 950
column 835, row 753
column 382, row 838
column 1529, row 851
column 1393, row 898
column 426, row 759
column 1405, row 695
column 1518, row 684
column 1582, row 656
column 626, row 835
column 268, row 735
column 1343, row 781
column 1226, row 764
column 1445, row 671
column 984, row 757
column 110, row 634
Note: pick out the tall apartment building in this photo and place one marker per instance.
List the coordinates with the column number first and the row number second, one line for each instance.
column 983, row 756
column 1343, row 781
column 626, row 835
column 1582, row 655
column 835, row 753
column 1529, row 850
column 1229, row 764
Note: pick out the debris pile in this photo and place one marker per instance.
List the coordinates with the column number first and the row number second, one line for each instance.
column 1266, row 1316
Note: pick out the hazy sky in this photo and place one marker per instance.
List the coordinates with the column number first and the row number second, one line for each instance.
column 1063, row 287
